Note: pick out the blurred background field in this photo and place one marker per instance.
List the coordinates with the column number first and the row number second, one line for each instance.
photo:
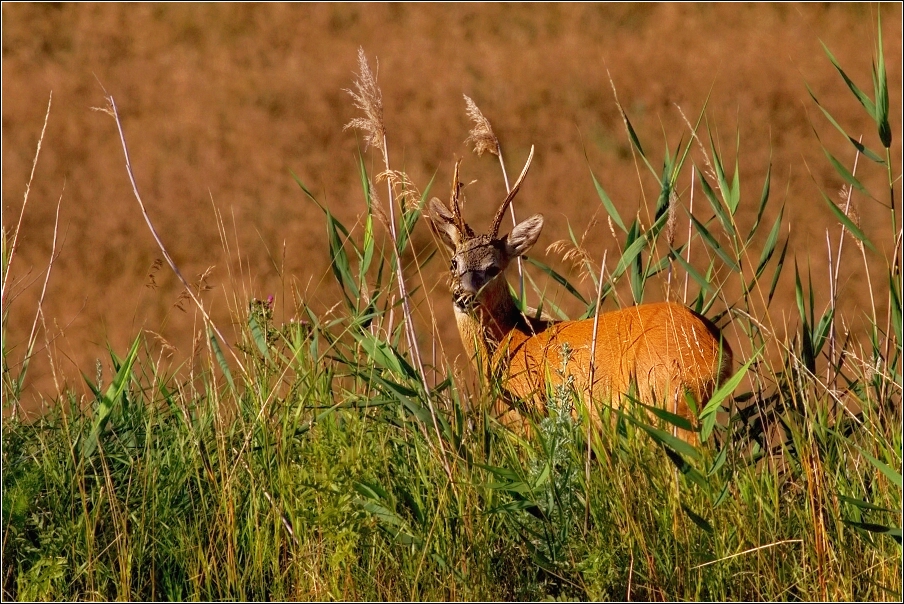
column 221, row 103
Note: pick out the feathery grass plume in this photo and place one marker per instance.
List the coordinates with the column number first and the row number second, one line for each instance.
column 368, row 98
column 482, row 133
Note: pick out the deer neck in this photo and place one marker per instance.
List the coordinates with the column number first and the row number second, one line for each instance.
column 493, row 319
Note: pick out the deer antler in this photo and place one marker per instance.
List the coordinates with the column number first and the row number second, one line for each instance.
column 463, row 228
column 497, row 220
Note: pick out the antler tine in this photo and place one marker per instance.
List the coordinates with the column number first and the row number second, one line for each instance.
column 463, row 228
column 497, row 220
column 453, row 199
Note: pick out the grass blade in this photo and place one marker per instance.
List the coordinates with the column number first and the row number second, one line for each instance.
column 557, row 278
column 715, row 246
column 715, row 203
column 861, row 96
column 725, row 390
column 852, row 228
column 111, row 398
column 221, row 359
column 607, row 203
column 863, row 149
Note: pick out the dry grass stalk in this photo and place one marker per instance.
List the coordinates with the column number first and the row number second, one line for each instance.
column 592, row 376
column 369, row 99
column 711, row 172
column 850, row 210
column 39, row 315
column 34, row 164
column 690, row 224
column 376, row 207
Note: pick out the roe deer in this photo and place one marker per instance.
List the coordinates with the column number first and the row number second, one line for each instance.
column 658, row 353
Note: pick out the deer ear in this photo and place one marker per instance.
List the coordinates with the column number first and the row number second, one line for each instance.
column 523, row 236
column 444, row 224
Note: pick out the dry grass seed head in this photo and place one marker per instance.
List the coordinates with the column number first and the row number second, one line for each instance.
column 673, row 218
column 577, row 255
column 406, row 192
column 368, row 98
column 165, row 346
column 482, row 133
column 851, row 211
column 152, row 273
column 202, row 285
column 376, row 206
column 710, row 172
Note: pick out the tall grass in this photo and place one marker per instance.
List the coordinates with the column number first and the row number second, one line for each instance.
column 328, row 460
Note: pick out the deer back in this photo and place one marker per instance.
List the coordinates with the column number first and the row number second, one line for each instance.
column 658, row 352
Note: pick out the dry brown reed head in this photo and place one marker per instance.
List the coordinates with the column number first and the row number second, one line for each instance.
column 152, row 273
column 482, row 133
column 368, row 98
column 576, row 255
column 405, row 190
column 166, row 348
column 673, row 218
column 376, row 206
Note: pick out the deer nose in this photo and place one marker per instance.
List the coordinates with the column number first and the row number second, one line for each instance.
column 472, row 281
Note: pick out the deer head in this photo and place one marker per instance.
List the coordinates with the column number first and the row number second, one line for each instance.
column 478, row 261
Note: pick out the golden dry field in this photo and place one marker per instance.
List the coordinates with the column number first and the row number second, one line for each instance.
column 222, row 103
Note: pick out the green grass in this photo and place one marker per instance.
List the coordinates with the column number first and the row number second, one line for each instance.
column 326, row 465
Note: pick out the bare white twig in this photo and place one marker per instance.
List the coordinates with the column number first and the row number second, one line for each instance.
column 690, row 231
column 111, row 109
column 833, row 277
column 596, row 318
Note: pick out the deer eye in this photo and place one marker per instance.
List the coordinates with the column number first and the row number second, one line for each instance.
column 453, row 266
column 491, row 272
